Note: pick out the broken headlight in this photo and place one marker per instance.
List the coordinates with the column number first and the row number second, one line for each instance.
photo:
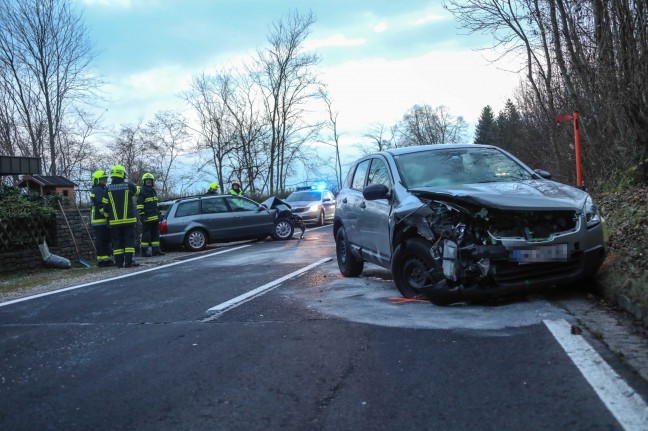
column 592, row 215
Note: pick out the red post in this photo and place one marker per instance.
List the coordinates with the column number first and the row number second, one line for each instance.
column 579, row 169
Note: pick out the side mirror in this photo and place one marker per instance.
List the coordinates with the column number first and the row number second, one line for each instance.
column 542, row 173
column 375, row 191
column 326, row 200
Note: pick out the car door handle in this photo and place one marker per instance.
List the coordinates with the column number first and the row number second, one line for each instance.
column 363, row 205
column 344, row 200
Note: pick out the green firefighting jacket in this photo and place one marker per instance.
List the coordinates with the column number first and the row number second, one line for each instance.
column 97, row 217
column 147, row 204
column 118, row 202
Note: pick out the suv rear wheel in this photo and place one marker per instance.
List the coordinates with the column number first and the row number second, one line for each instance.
column 350, row 266
column 413, row 267
column 196, row 240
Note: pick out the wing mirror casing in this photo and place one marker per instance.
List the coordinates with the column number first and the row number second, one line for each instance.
column 375, row 191
column 544, row 174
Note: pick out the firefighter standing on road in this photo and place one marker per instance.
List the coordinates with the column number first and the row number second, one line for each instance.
column 147, row 207
column 236, row 188
column 99, row 220
column 118, row 205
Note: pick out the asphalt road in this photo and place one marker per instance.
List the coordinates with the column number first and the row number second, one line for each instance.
column 268, row 335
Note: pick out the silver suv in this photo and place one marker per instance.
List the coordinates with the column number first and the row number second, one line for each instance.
column 464, row 222
column 197, row 221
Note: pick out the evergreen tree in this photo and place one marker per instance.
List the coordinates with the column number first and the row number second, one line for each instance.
column 486, row 130
column 509, row 128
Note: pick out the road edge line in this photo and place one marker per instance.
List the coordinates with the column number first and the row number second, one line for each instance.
column 130, row 274
column 626, row 405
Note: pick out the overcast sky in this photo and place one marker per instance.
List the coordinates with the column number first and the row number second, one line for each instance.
column 379, row 57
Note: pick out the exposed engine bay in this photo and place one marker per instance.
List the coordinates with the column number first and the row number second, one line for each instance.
column 472, row 244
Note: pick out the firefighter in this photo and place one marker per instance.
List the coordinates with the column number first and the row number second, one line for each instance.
column 213, row 189
column 149, row 213
column 236, row 188
column 99, row 220
column 122, row 217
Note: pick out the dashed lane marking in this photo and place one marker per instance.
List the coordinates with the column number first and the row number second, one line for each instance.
column 219, row 309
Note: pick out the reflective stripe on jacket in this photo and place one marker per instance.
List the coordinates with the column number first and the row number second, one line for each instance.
column 97, row 217
column 118, row 203
column 234, row 192
column 147, row 204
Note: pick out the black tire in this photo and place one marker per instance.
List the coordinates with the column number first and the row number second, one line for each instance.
column 350, row 266
column 320, row 219
column 195, row 240
column 283, row 229
column 411, row 266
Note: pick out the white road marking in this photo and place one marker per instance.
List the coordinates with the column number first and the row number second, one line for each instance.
column 27, row 298
column 235, row 302
column 629, row 409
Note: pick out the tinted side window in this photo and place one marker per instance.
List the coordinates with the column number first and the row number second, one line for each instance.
column 379, row 173
column 188, row 209
column 215, row 205
column 359, row 176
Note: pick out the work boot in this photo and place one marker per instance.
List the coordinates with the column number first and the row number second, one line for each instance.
column 119, row 260
column 157, row 251
column 132, row 264
column 145, row 252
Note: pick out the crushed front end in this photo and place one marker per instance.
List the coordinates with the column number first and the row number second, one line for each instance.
column 483, row 250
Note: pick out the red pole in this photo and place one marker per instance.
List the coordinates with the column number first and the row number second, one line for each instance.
column 579, row 170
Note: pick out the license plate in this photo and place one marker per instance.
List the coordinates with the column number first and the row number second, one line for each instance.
column 541, row 253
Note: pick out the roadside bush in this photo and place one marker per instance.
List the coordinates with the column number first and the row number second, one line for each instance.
column 20, row 212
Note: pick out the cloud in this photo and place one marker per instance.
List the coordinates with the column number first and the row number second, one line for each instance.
column 381, row 91
column 336, row 40
column 427, row 19
column 380, row 27
column 124, row 4
column 120, row 4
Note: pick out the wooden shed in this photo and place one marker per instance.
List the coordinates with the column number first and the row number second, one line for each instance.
column 50, row 185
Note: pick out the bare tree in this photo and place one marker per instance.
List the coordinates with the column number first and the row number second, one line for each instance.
column 133, row 151
column 580, row 55
column 424, row 125
column 166, row 137
column 333, row 138
column 381, row 138
column 207, row 96
column 45, row 56
column 283, row 72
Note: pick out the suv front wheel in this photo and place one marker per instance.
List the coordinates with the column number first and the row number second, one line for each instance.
column 413, row 267
column 349, row 265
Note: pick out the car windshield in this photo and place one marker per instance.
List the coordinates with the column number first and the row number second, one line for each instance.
column 440, row 167
column 304, row 196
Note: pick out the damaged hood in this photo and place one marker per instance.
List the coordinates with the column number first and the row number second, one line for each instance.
column 519, row 195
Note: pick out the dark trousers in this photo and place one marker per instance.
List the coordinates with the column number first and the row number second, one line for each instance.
column 123, row 238
column 150, row 235
column 102, row 242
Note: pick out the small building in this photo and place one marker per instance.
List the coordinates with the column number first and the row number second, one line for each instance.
column 49, row 185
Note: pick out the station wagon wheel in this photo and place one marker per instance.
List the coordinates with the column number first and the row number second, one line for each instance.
column 413, row 267
column 349, row 265
column 320, row 219
column 283, row 229
column 195, row 240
